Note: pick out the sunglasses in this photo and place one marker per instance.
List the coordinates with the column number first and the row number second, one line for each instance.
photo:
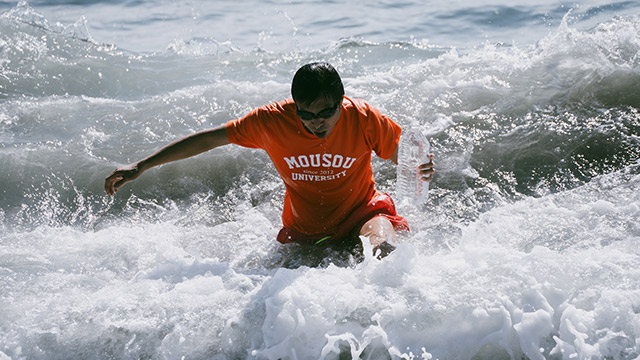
column 324, row 114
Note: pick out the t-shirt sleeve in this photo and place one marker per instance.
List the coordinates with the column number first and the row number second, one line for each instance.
column 382, row 133
column 246, row 131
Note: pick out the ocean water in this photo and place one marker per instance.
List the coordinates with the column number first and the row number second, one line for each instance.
column 528, row 248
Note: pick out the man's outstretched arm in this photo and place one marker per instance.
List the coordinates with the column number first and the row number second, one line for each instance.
column 186, row 147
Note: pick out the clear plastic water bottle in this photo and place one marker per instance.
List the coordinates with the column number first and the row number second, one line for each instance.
column 412, row 152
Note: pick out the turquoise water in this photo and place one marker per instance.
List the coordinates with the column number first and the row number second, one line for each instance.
column 528, row 246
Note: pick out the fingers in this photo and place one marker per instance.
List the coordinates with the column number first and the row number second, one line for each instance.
column 427, row 170
column 119, row 177
column 381, row 251
column 112, row 183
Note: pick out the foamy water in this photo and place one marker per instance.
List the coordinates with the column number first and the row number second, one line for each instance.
column 527, row 248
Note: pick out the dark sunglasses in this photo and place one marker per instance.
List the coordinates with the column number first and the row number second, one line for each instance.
column 324, row 114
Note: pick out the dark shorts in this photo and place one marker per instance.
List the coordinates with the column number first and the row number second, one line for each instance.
column 379, row 205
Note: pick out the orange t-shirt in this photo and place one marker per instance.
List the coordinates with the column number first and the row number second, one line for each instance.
column 325, row 179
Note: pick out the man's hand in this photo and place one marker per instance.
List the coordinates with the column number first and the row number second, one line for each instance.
column 382, row 250
column 121, row 176
column 427, row 170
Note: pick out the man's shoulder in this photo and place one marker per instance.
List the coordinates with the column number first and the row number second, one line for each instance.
column 263, row 124
column 355, row 103
column 267, row 115
column 270, row 114
column 274, row 117
column 360, row 105
column 280, row 107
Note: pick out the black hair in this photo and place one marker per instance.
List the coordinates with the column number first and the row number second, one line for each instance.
column 314, row 81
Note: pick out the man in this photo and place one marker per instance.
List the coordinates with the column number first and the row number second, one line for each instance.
column 320, row 143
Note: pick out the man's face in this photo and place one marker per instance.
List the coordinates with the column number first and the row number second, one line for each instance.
column 319, row 125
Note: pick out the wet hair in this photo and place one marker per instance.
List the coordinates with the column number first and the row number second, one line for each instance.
column 314, row 81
